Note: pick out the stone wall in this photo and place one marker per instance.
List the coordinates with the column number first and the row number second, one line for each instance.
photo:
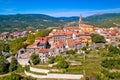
column 38, row 70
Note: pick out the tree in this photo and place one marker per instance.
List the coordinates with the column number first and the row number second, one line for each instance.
column 14, row 76
column 17, row 44
column 113, row 50
column 28, row 78
column 13, row 64
column 59, row 58
column 4, row 47
column 51, row 60
column 4, row 65
column 30, row 38
column 98, row 38
column 35, row 58
column 71, row 52
column 85, row 49
column 62, row 64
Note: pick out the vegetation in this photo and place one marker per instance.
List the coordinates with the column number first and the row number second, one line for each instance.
column 98, row 38
column 30, row 38
column 13, row 64
column 43, row 33
column 4, row 47
column 111, row 63
column 29, row 22
column 51, row 60
column 40, row 21
column 17, row 44
column 113, row 50
column 4, row 65
column 104, row 20
column 14, row 76
column 35, row 58
column 71, row 52
column 63, row 64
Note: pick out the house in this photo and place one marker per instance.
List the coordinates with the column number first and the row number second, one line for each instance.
column 85, row 39
column 70, row 44
column 44, row 54
column 79, row 45
column 42, row 42
column 58, row 48
column 20, row 53
column 86, row 27
column 39, row 43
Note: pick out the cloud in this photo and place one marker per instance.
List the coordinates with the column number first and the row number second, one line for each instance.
column 61, row 13
column 83, row 12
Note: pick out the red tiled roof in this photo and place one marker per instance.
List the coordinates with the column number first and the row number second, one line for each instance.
column 43, row 50
column 41, row 39
column 77, row 42
column 69, row 33
column 59, row 43
column 70, row 42
column 34, row 45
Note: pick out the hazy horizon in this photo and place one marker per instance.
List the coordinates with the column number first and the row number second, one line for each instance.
column 62, row 8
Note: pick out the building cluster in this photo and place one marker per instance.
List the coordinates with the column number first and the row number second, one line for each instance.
column 12, row 35
column 68, row 38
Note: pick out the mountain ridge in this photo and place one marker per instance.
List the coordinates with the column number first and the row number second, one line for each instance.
column 39, row 21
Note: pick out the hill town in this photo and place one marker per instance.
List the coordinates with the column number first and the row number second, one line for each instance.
column 69, row 52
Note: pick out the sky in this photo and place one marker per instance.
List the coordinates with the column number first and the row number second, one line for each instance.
column 59, row 8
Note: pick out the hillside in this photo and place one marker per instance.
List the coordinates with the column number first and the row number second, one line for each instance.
column 26, row 21
column 33, row 21
column 104, row 20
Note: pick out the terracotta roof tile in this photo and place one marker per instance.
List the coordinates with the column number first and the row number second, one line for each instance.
column 43, row 50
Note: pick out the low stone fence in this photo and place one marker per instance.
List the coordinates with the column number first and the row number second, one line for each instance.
column 35, row 75
column 23, row 62
column 38, row 70
column 57, row 76
column 65, row 76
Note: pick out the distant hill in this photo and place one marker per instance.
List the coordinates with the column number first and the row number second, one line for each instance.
column 104, row 20
column 26, row 21
column 73, row 18
column 33, row 21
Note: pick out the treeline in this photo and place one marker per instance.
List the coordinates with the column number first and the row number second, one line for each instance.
column 111, row 63
column 15, row 76
column 103, row 20
column 23, row 21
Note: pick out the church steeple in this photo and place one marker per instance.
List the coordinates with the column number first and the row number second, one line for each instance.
column 80, row 20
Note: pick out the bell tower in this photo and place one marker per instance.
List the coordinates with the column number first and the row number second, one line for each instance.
column 80, row 20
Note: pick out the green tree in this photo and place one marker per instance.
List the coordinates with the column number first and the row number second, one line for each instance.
column 28, row 78
column 59, row 58
column 4, row 65
column 4, row 47
column 113, row 50
column 51, row 60
column 45, row 32
column 63, row 64
column 13, row 64
column 35, row 58
column 14, row 76
column 30, row 38
column 85, row 49
column 98, row 38
column 71, row 52
column 17, row 44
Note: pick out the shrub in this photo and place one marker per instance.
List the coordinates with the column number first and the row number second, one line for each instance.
column 51, row 60
column 35, row 58
column 13, row 64
column 62, row 64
